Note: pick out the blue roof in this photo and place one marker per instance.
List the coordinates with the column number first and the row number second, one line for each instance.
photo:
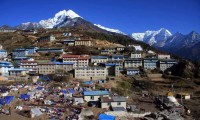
column 106, row 117
column 17, row 69
column 95, row 93
column 111, row 64
column 6, row 100
column 89, row 82
column 24, row 96
column 3, row 51
column 99, row 57
column 20, row 58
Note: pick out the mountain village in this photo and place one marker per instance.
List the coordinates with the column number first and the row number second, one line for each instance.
column 53, row 83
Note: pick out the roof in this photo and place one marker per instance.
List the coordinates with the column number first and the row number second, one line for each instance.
column 118, row 98
column 56, row 63
column 70, row 56
column 3, row 51
column 132, row 69
column 95, row 93
column 106, row 117
column 44, row 49
column 111, row 64
column 28, row 61
column 17, row 69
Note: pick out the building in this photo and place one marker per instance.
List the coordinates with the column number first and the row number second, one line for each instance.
column 19, row 59
column 117, row 62
column 99, row 59
column 3, row 53
column 17, row 72
column 19, row 52
column 69, row 42
column 105, row 52
column 94, row 95
column 90, row 73
column 4, row 67
column 150, row 63
column 110, row 49
column 31, row 50
column 117, row 57
column 51, row 67
column 112, row 69
column 132, row 71
column 7, row 30
column 30, row 65
column 136, row 55
column 83, row 43
column 50, row 38
column 133, row 63
column 166, row 63
column 120, row 48
column 50, row 50
column 112, row 102
column 78, row 60
column 164, row 56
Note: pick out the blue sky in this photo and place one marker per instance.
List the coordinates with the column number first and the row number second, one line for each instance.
column 126, row 15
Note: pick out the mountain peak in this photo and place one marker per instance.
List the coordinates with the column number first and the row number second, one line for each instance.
column 69, row 13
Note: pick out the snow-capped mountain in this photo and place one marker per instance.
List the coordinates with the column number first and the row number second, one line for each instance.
column 59, row 18
column 152, row 37
column 66, row 18
column 110, row 29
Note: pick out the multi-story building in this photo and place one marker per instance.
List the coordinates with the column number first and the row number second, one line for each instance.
column 19, row 52
column 90, row 73
column 136, row 55
column 30, row 65
column 112, row 69
column 150, row 63
column 31, row 50
column 94, row 95
column 116, row 62
column 78, row 60
column 113, row 101
column 164, row 56
column 3, row 53
column 117, row 57
column 69, row 42
column 130, row 63
column 166, row 63
column 99, row 59
column 132, row 71
column 17, row 72
column 51, row 67
column 4, row 67
column 110, row 49
column 19, row 59
column 83, row 42
column 50, row 38
column 120, row 48
column 50, row 50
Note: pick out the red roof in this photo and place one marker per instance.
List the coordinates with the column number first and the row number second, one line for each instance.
column 70, row 56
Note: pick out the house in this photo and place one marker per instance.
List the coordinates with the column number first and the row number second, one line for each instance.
column 3, row 53
column 7, row 30
column 117, row 62
column 109, row 49
column 69, row 42
column 94, row 95
column 150, row 63
column 113, row 102
column 164, row 64
column 112, row 69
column 91, row 73
column 133, row 63
column 50, row 50
column 137, row 47
column 132, row 71
column 120, row 48
column 78, row 60
column 51, row 67
column 19, row 52
column 99, row 59
column 4, row 67
column 19, row 59
column 163, row 56
column 50, row 38
column 83, row 43
column 117, row 57
column 17, row 72
column 31, row 50
column 136, row 54
column 30, row 65
column 105, row 52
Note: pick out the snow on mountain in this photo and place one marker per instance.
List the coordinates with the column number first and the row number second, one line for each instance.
column 152, row 37
column 58, row 18
column 109, row 29
column 29, row 25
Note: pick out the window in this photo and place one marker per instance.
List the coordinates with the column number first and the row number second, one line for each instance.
column 119, row 103
column 108, row 104
column 92, row 97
